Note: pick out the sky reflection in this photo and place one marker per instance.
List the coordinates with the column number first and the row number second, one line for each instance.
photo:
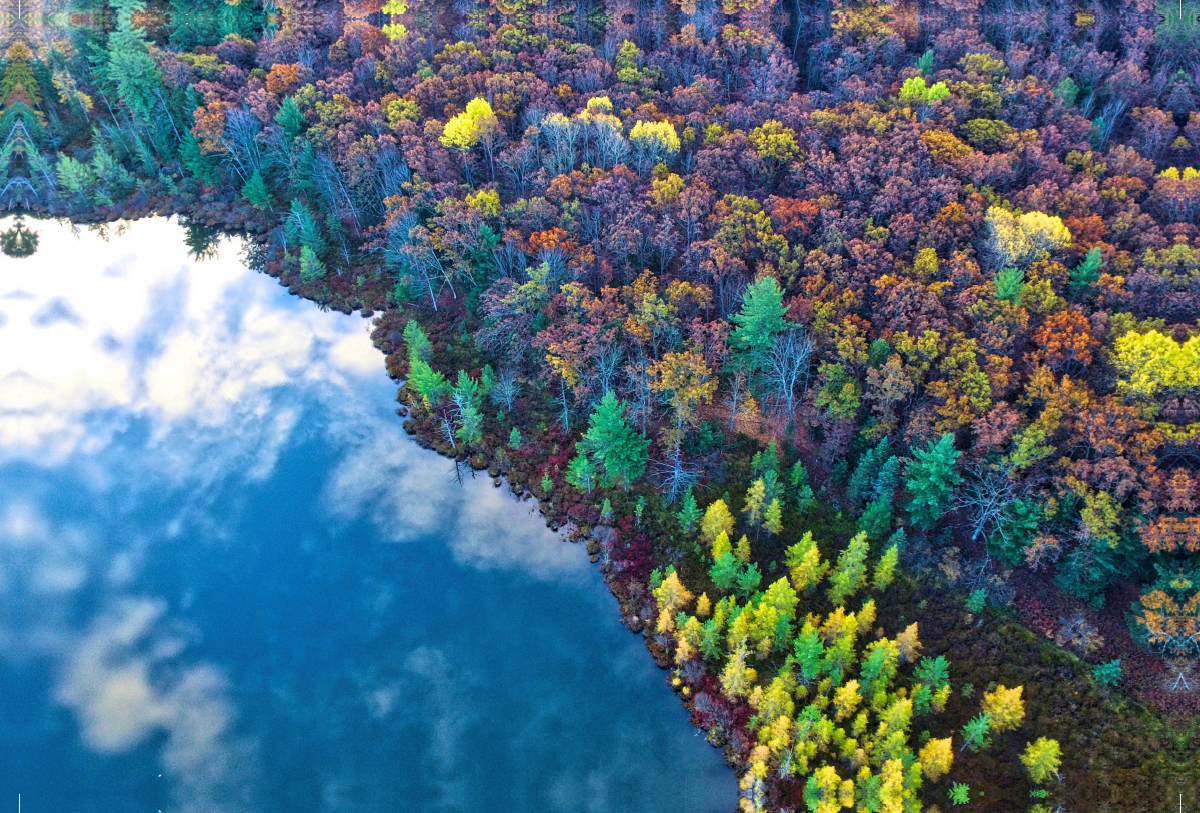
column 224, row 561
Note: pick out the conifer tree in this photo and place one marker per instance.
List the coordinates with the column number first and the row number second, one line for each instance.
column 1042, row 758
column 803, row 560
column 615, row 445
column 689, row 514
column 850, row 575
column 1005, row 707
column 931, row 478
column 759, row 320
column 717, row 520
column 885, row 570
column 256, row 192
column 936, row 758
column 773, row 518
column 754, row 503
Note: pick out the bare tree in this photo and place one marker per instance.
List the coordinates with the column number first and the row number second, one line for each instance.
column 787, row 367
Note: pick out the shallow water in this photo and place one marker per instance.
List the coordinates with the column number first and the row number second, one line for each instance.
column 229, row 582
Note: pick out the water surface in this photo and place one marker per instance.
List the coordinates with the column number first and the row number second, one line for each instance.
column 230, row 582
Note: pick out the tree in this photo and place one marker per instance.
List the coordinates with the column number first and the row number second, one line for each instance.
column 717, row 520
column 773, row 518
column 614, row 444
column 759, row 320
column 581, row 473
column 976, row 732
column 724, row 571
column 936, row 758
column 429, row 384
column 257, row 193
column 850, row 574
column 1005, row 707
column 1019, row 240
column 931, row 478
column 754, row 503
column 885, row 570
column 689, row 514
column 1042, row 758
column 803, row 559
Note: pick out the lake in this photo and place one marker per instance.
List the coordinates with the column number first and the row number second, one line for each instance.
column 230, row 582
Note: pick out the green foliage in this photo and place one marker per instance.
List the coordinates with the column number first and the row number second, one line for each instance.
column 1010, row 284
column 1107, row 673
column 748, row 579
column 976, row 733
column 547, row 485
column 290, row 117
column 977, row 600
column 256, row 192
column 514, row 439
column 417, row 342
column 725, row 571
column 850, row 574
column 429, row 384
column 759, row 320
column 312, row 270
column 931, row 478
column 915, row 92
column 960, row 793
column 877, row 517
column 689, row 514
column 1087, row 273
column 925, row 63
column 933, row 672
column 1068, row 91
column 614, row 444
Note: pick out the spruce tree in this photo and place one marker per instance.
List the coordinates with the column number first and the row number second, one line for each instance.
column 761, row 317
column 931, row 478
column 614, row 444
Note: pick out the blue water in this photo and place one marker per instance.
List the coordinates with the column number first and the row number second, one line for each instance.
column 229, row 581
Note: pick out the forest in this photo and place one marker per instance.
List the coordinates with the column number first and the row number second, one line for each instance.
column 857, row 341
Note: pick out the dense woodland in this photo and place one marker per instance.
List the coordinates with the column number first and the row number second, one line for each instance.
column 859, row 341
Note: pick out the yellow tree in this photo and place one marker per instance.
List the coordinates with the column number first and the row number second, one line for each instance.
column 717, row 520
column 688, row 382
column 936, row 758
column 1006, row 707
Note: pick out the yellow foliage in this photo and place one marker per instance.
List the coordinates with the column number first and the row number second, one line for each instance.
column 717, row 520
column 936, row 758
column 658, row 136
column 1016, row 240
column 721, row 546
column 1150, row 362
column 1006, row 707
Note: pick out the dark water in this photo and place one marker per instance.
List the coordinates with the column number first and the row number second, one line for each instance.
column 228, row 582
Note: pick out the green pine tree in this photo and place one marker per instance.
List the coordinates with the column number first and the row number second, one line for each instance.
column 614, row 444
column 761, row 317
column 689, row 514
column 931, row 478
column 257, row 193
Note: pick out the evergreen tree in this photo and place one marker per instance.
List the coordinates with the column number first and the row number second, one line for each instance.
column 290, row 118
column 256, row 192
column 689, row 514
column 614, row 444
column 429, row 384
column 931, row 478
column 761, row 317
column 976, row 732
column 724, row 571
column 876, row 519
column 581, row 472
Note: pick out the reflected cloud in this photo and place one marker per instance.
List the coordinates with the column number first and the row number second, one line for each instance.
column 113, row 683
column 409, row 493
column 198, row 350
